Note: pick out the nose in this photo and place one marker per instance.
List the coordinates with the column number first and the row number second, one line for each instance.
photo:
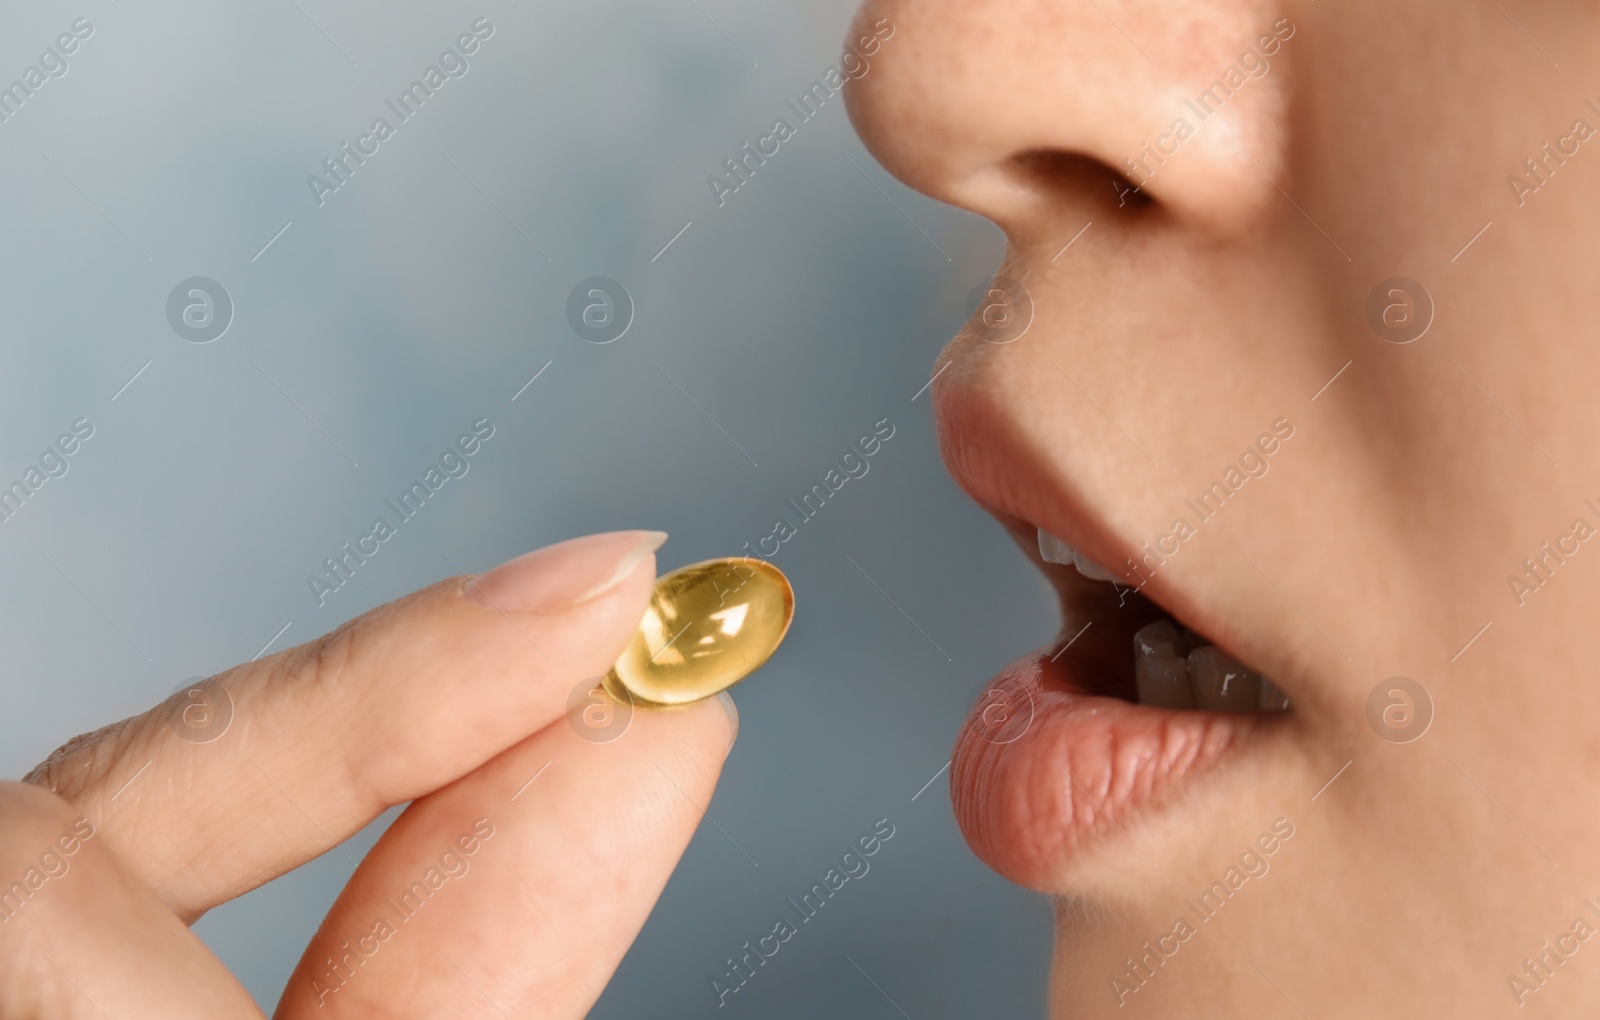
column 1016, row 109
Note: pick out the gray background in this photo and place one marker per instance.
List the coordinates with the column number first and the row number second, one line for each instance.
column 806, row 309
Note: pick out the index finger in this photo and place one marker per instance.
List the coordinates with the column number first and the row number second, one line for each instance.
column 323, row 737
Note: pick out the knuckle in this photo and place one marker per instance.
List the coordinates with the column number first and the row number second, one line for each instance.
column 322, row 671
column 375, row 641
column 78, row 766
column 322, row 663
column 79, row 770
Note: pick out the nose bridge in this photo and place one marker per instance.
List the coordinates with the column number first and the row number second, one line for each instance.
column 1185, row 101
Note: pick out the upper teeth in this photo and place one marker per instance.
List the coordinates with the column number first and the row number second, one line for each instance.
column 1054, row 550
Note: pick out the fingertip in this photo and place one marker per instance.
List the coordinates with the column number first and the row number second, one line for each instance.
column 726, row 701
column 567, row 574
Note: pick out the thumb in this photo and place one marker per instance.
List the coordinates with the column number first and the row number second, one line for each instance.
column 298, row 751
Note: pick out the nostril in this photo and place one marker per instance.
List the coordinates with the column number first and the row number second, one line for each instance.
column 1041, row 123
column 1053, row 174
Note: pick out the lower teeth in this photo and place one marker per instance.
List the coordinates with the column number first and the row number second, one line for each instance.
column 1174, row 670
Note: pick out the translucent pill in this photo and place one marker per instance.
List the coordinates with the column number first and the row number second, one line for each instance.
column 708, row 626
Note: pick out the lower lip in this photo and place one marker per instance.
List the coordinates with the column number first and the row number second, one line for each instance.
column 1042, row 771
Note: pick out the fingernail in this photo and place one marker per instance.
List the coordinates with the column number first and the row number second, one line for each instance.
column 726, row 701
column 566, row 574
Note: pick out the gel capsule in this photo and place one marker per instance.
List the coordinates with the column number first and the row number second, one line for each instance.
column 708, row 626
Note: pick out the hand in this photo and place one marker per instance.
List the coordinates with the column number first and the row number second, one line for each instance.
column 490, row 896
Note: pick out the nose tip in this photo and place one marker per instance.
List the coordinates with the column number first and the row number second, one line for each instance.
column 1015, row 108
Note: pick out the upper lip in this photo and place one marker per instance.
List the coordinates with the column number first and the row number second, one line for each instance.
column 995, row 461
column 1119, row 757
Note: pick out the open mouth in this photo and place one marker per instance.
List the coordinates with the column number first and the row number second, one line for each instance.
column 1073, row 747
column 1070, row 744
column 1173, row 667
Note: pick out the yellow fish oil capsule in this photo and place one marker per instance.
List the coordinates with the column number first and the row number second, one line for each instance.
column 708, row 626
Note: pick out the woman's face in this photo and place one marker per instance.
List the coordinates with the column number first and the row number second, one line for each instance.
column 1226, row 399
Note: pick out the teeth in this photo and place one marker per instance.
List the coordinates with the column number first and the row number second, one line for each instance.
column 1092, row 570
column 1272, row 699
column 1221, row 683
column 1176, row 669
column 1054, row 550
column 1160, row 669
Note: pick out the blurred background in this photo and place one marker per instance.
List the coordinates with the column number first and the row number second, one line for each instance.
column 370, row 325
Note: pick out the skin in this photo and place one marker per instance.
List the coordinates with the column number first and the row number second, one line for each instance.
column 1226, row 295
column 434, row 699
column 1382, row 138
